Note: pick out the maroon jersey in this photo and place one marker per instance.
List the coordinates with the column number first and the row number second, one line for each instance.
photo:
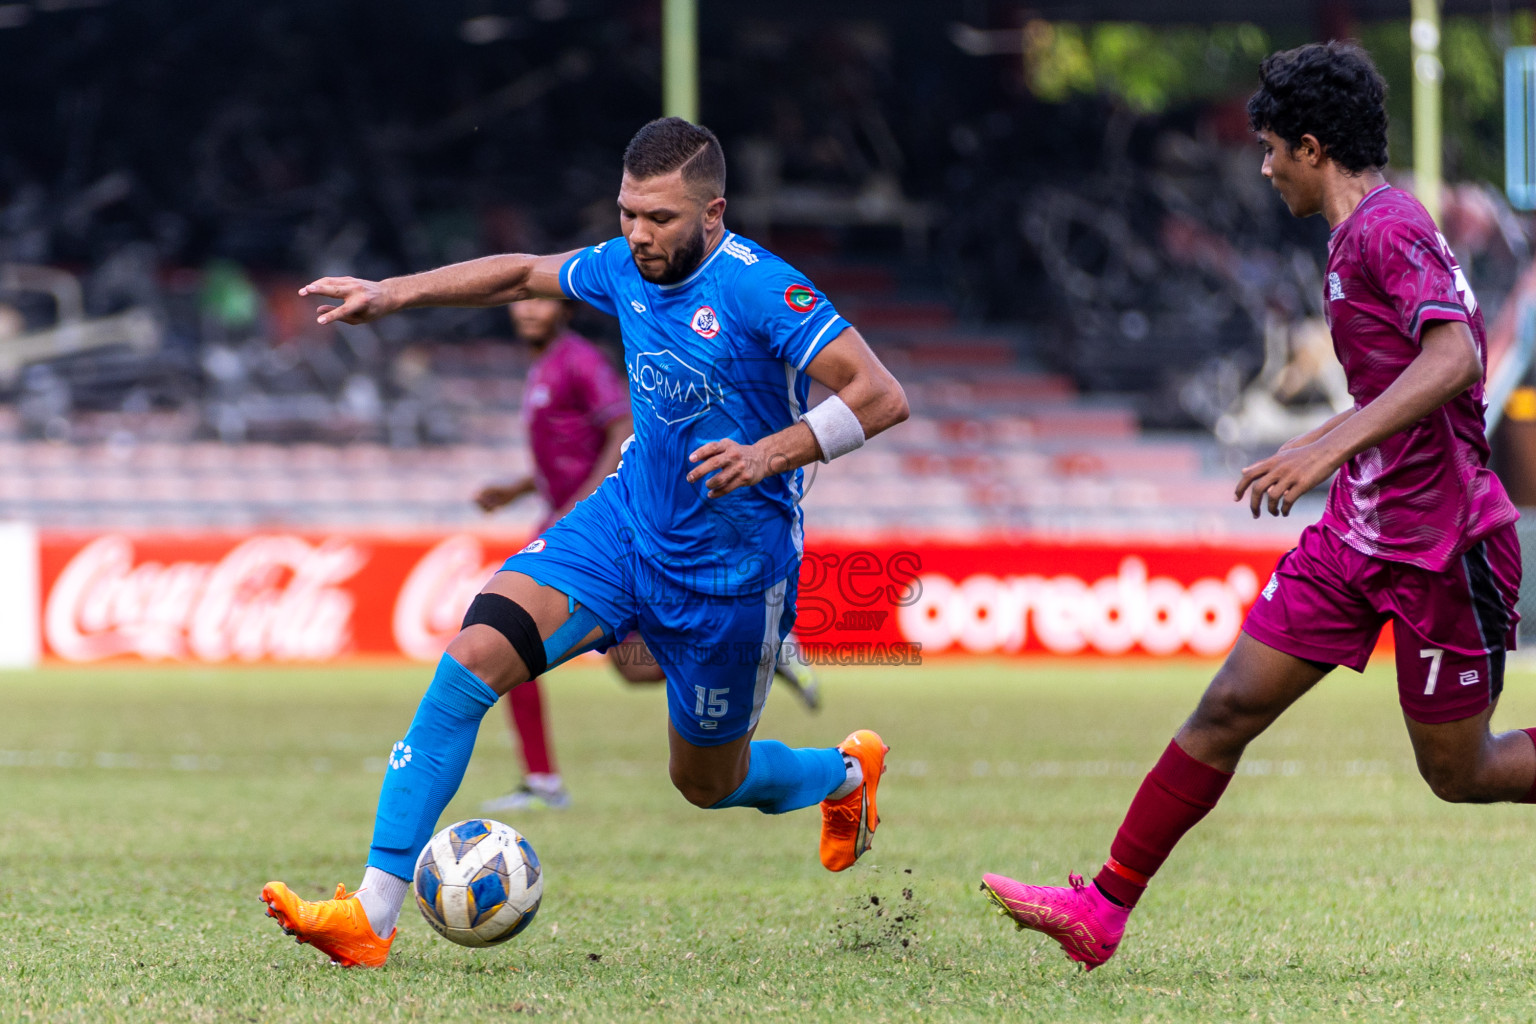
column 1425, row 495
column 571, row 396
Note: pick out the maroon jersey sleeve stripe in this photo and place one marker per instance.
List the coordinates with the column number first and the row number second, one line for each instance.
column 1436, row 310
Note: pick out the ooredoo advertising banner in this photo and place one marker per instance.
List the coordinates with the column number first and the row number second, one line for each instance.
column 318, row 597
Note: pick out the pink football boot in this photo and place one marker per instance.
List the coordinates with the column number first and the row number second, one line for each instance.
column 1087, row 925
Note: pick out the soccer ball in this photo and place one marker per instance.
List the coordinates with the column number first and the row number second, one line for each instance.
column 478, row 882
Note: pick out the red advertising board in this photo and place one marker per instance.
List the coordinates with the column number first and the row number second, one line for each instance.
column 317, row 597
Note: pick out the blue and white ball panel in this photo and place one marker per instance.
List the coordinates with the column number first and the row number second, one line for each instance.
column 478, row 882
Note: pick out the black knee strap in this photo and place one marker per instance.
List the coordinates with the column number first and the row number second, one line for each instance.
column 512, row 621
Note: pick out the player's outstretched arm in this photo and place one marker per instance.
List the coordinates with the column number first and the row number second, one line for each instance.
column 854, row 374
column 488, row 281
column 1447, row 364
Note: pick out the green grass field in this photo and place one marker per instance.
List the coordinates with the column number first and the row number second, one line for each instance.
column 142, row 809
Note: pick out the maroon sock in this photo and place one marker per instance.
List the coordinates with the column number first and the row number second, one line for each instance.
column 1175, row 795
column 526, row 705
column 1530, row 798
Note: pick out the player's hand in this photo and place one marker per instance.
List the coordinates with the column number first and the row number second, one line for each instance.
column 733, row 465
column 1283, row 478
column 361, row 301
column 495, row 496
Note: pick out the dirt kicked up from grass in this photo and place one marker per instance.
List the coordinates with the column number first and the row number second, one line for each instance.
column 141, row 810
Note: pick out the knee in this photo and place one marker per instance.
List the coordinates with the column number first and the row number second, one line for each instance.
column 1223, row 708
column 1452, row 784
column 1224, row 723
column 701, row 790
column 488, row 656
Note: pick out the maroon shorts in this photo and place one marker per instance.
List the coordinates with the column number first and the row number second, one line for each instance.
column 1327, row 603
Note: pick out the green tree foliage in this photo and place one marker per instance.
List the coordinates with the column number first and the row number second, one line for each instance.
column 1151, row 68
column 1145, row 67
column 1472, row 99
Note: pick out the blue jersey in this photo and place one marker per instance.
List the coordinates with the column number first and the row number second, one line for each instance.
column 720, row 354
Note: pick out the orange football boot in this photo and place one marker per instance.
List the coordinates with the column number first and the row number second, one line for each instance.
column 848, row 825
column 337, row 927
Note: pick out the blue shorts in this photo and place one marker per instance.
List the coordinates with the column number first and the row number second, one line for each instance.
column 718, row 653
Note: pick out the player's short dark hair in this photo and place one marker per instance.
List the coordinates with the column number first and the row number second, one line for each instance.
column 1330, row 90
column 668, row 143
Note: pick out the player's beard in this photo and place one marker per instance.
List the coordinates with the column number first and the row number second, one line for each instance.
column 681, row 263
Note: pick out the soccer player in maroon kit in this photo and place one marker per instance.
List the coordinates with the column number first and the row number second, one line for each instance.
column 1417, row 531
column 576, row 412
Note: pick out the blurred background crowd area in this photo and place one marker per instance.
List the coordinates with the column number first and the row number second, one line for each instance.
column 1052, row 228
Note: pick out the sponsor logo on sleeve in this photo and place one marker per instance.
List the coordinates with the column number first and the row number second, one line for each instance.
column 800, row 298
column 1335, row 287
column 705, row 322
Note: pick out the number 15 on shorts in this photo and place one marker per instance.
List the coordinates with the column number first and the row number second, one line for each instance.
column 714, row 704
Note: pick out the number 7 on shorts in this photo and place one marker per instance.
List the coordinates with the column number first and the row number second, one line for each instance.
column 1435, row 654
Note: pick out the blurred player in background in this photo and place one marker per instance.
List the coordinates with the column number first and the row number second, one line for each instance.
column 576, row 411
column 1417, row 530
column 696, row 540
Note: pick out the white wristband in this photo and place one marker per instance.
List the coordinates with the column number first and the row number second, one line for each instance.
column 837, row 429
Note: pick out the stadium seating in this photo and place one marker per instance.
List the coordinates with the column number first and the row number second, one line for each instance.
column 994, row 444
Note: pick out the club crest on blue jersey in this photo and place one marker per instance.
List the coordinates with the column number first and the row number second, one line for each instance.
column 705, row 322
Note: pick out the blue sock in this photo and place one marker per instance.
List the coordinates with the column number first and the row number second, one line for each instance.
column 780, row 779
column 426, row 767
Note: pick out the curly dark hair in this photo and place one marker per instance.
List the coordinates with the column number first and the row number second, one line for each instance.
column 1330, row 90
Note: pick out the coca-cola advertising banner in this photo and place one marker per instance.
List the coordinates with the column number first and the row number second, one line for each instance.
column 318, row 597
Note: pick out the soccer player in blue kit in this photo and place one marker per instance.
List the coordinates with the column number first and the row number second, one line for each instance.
column 696, row 540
